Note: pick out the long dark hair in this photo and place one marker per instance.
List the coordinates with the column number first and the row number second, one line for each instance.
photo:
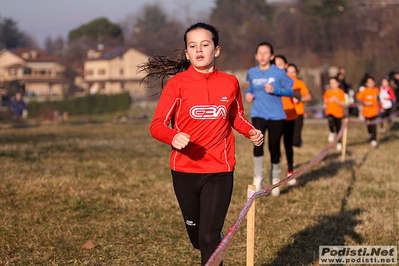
column 294, row 66
column 266, row 44
column 273, row 61
column 271, row 51
column 282, row 57
column 162, row 67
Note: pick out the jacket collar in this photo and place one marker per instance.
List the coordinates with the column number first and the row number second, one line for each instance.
column 200, row 75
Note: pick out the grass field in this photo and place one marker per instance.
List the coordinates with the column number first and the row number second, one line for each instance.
column 109, row 183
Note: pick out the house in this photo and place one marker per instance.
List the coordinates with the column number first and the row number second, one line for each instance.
column 32, row 71
column 114, row 70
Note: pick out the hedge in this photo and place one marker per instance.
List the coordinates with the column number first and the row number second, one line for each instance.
column 90, row 104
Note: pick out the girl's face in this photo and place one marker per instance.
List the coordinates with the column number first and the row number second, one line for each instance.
column 201, row 50
column 291, row 71
column 385, row 83
column 334, row 84
column 370, row 83
column 263, row 55
column 280, row 63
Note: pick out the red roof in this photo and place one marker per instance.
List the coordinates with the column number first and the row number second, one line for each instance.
column 42, row 56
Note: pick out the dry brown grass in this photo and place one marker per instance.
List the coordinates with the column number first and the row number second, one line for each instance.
column 109, row 183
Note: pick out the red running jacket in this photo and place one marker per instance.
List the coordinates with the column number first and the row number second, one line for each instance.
column 205, row 106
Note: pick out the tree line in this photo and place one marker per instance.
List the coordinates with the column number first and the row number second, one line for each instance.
column 361, row 35
column 11, row 36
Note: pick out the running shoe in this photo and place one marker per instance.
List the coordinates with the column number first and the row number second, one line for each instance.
column 258, row 182
column 292, row 182
column 339, row 147
column 276, row 191
column 331, row 137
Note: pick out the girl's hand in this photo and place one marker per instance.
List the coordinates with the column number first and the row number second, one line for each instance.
column 180, row 140
column 249, row 97
column 269, row 88
column 256, row 137
column 333, row 99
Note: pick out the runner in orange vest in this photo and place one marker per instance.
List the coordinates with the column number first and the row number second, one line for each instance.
column 334, row 102
column 299, row 85
column 288, row 133
column 370, row 101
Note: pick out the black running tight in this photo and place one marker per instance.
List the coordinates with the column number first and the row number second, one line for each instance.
column 372, row 128
column 298, row 125
column 204, row 200
column 288, row 137
column 275, row 131
column 334, row 124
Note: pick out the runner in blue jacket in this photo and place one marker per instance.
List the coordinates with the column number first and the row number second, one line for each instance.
column 267, row 83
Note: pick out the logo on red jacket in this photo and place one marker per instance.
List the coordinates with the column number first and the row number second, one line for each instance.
column 208, row 111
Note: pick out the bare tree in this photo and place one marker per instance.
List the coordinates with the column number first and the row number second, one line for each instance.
column 155, row 33
column 242, row 25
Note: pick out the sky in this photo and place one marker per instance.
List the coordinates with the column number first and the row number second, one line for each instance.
column 53, row 18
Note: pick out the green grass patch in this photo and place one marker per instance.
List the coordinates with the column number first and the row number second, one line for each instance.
column 66, row 184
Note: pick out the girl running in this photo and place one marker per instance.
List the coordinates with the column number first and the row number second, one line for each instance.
column 387, row 98
column 369, row 99
column 334, row 102
column 288, row 133
column 305, row 96
column 267, row 83
column 202, row 105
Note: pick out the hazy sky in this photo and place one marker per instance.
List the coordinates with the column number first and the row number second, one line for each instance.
column 42, row 18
